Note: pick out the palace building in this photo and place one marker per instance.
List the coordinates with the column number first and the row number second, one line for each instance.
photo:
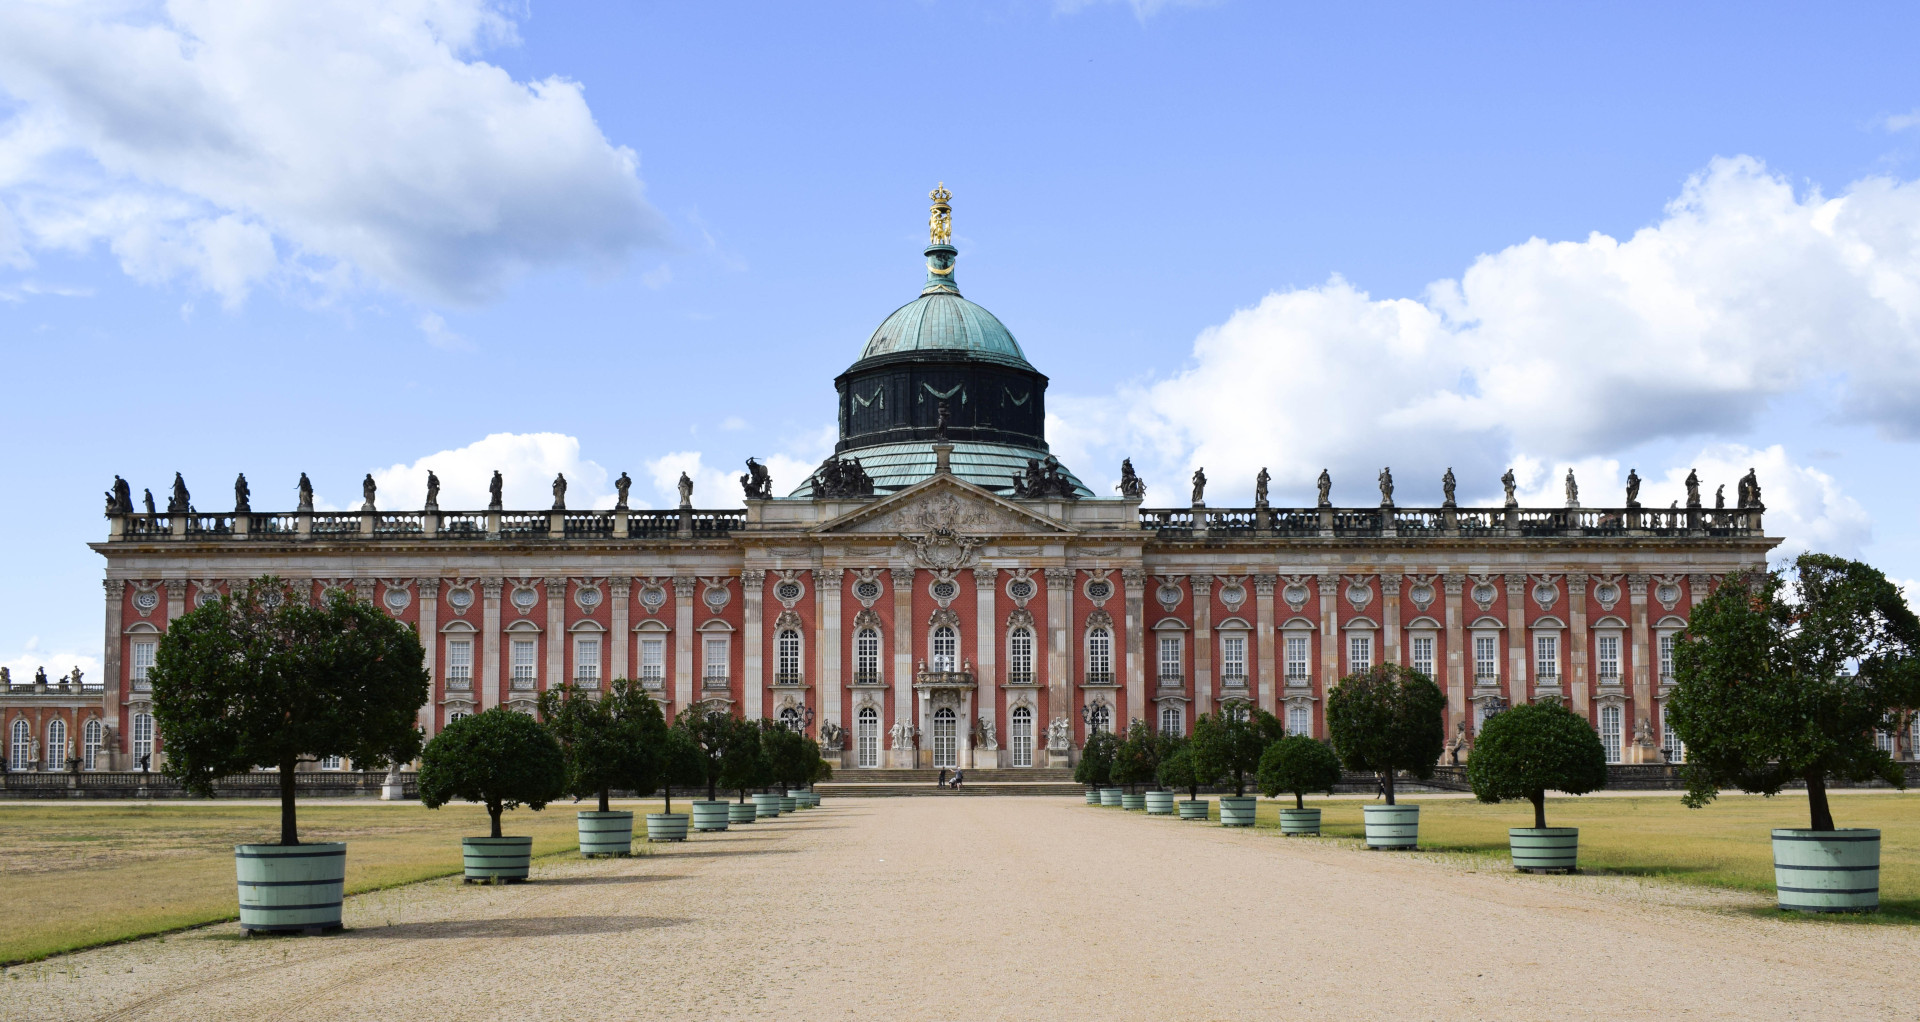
column 941, row 591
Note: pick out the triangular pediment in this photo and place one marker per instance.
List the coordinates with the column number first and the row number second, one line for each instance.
column 946, row 503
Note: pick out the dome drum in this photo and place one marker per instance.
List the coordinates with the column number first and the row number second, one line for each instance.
column 896, row 400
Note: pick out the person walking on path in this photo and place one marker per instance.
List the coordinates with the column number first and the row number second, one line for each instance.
column 942, row 782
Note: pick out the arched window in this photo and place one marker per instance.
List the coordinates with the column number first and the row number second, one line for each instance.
column 1022, row 736
column 1172, row 721
column 456, row 715
column 142, row 737
column 945, row 738
column 1020, row 657
column 1101, row 719
column 786, row 657
column 790, row 718
column 946, row 651
column 866, row 737
column 90, row 737
column 1610, row 732
column 1099, row 657
column 56, row 744
column 1670, row 743
column 866, row 657
column 20, row 746
column 1299, row 721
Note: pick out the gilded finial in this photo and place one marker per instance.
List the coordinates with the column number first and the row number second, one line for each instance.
column 940, row 223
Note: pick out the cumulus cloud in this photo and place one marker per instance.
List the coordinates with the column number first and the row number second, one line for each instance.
column 58, row 662
column 316, row 143
column 527, row 463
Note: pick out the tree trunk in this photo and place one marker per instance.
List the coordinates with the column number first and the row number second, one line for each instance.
column 289, row 828
column 1389, row 783
column 493, row 811
column 713, row 787
column 668, row 788
column 1299, row 800
column 1539, row 799
column 604, row 807
column 1817, row 801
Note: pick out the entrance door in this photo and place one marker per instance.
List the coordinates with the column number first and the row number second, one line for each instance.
column 1022, row 737
column 945, row 739
column 866, row 738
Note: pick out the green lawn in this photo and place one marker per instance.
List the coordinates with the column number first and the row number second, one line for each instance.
column 79, row 875
column 1727, row 844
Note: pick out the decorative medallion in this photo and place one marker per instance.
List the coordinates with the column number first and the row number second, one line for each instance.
column 1667, row 591
column 1098, row 587
column 460, row 597
column 145, row 598
column 789, row 589
column 1359, row 592
column 587, row 596
column 1484, row 592
column 1169, row 593
column 653, row 596
column 272, row 597
column 943, row 590
column 1421, row 591
column 716, row 595
column 1021, row 588
column 524, row 597
column 1607, row 592
column 1296, row 592
column 1546, row 591
column 866, row 591
column 205, row 591
column 396, row 597
column 1233, row 593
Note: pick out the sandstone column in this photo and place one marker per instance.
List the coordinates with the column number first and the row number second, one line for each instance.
column 113, row 690
column 1390, row 618
column 1135, row 581
column 1516, row 639
column 557, row 653
column 489, row 683
column 904, row 710
column 1202, row 644
column 620, row 641
column 753, row 687
column 683, row 648
column 1059, row 619
column 1458, row 655
column 826, row 652
column 1332, row 649
column 986, row 677
column 1642, row 652
column 430, row 640
column 1577, row 640
column 176, row 598
column 1270, row 681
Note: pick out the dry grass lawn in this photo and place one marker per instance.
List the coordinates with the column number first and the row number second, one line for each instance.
column 84, row 874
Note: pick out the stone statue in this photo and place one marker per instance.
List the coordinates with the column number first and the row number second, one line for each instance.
column 1643, row 733
column 621, row 486
column 843, row 477
column 306, row 494
column 686, row 490
column 493, row 491
column 831, row 735
column 6, row 679
column 1456, row 743
column 1199, row 486
column 121, row 500
column 1693, row 488
column 240, row 495
column 1045, row 479
column 181, row 502
column 757, row 482
column 1633, row 488
column 1573, row 489
column 940, row 423
column 1131, row 485
column 77, row 678
column 559, row 491
column 1386, row 487
column 1059, row 735
column 901, row 734
column 433, row 491
column 987, row 739
column 1260, row 487
column 1509, row 482
column 1720, row 497
column 1326, row 489
column 1446, row 488
column 40, row 677
column 1749, row 489
column 367, row 490
column 149, row 500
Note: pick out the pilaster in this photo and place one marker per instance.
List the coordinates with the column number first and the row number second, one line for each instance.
column 1642, row 652
column 826, row 651
column 111, row 679
column 901, row 580
column 176, row 597
column 430, row 641
column 1134, row 581
column 1516, row 639
column 1202, row 644
column 620, row 641
column 1330, row 651
column 1269, row 681
column 490, row 680
column 753, row 588
column 683, row 666
column 556, row 632
column 1457, row 654
column 1390, row 618
column 1059, row 675
column 1577, row 641
column 986, row 663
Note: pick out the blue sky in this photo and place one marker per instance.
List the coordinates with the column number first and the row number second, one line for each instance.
column 644, row 237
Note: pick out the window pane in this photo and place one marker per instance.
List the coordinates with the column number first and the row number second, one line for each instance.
column 1359, row 653
column 1423, row 654
column 586, row 660
column 1233, row 659
column 1486, row 657
column 1297, row 657
column 653, row 659
column 1546, row 650
column 1170, row 657
column 1666, row 654
column 1608, row 647
column 1297, row 721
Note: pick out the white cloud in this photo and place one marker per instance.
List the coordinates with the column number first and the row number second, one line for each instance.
column 438, row 335
column 711, row 486
column 1804, row 505
column 57, row 663
column 309, row 143
column 1901, row 122
column 527, row 463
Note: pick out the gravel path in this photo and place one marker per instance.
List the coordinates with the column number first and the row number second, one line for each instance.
column 1006, row 908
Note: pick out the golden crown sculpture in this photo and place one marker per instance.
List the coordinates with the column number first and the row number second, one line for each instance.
column 940, row 223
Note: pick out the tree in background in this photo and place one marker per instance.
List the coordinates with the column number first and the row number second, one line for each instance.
column 264, row 677
column 1298, row 764
column 709, row 731
column 1177, row 768
column 500, row 758
column 742, row 767
column 1388, row 718
column 1781, row 678
column 784, row 749
column 1136, row 760
column 1096, row 759
column 1228, row 744
column 609, row 742
column 1532, row 749
column 684, row 760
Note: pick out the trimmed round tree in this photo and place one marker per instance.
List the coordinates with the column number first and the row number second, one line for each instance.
column 742, row 767
column 1785, row 677
column 1298, row 764
column 612, row 741
column 710, row 731
column 264, row 677
column 1388, row 718
column 1228, row 744
column 1136, row 760
column 1534, row 748
column 501, row 758
column 785, row 750
column 684, row 761
column 1095, row 768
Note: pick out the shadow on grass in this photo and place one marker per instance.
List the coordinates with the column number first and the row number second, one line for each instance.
column 1893, row 912
column 547, row 926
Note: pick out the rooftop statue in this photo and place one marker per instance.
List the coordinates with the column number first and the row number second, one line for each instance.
column 1260, row 487
column 1508, row 482
column 240, row 495
column 686, row 490
column 758, row 483
column 1693, row 488
column 1386, row 487
column 559, row 491
column 120, row 498
column 842, row 477
column 1749, row 489
column 1720, row 497
column 149, row 499
column 1199, row 486
column 1573, row 489
column 1044, row 479
column 1131, row 485
column 940, row 220
column 1633, row 488
column 1326, row 489
column 621, row 486
column 493, row 491
column 181, row 502
column 367, row 489
column 433, row 491
column 1446, row 487
column 306, row 494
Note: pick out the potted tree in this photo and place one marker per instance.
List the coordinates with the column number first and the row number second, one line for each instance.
column 609, row 742
column 1159, row 799
column 787, row 758
column 742, row 768
column 1298, row 764
column 1135, row 762
column 1782, row 678
column 1228, row 745
column 1179, row 769
column 709, row 731
column 263, row 676
column 1095, row 769
column 683, row 764
column 1526, row 752
column 1385, row 719
column 819, row 770
column 502, row 759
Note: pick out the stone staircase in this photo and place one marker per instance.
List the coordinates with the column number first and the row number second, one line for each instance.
column 854, row 783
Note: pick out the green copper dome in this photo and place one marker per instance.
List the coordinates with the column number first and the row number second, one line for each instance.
column 941, row 323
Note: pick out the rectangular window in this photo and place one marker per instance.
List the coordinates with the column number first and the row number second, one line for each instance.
column 1486, row 659
column 1019, row 657
column 1233, row 660
column 1423, row 654
column 1359, row 653
column 460, row 663
column 332, row 763
column 1670, row 743
column 1546, row 659
column 1298, row 722
column 1170, row 659
column 524, row 672
column 1608, row 649
column 1666, row 654
column 586, row 662
column 1610, row 732
column 786, row 649
column 716, row 663
column 653, row 662
column 1299, row 653
column 142, row 663
column 866, row 656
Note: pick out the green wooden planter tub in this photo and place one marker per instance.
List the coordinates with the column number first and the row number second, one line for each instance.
column 1193, row 808
column 1131, row 802
column 1238, row 810
column 1110, row 796
column 789, row 804
column 496, row 860
column 667, row 826
column 808, row 799
column 1159, row 803
column 1827, row 870
column 609, row 833
column 1300, row 822
column 1093, row 796
column 740, row 812
column 766, row 805
column 710, row 815
column 1396, row 827
column 290, row 888
column 1545, row 849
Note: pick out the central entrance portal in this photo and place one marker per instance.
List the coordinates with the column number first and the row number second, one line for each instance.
column 945, row 739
